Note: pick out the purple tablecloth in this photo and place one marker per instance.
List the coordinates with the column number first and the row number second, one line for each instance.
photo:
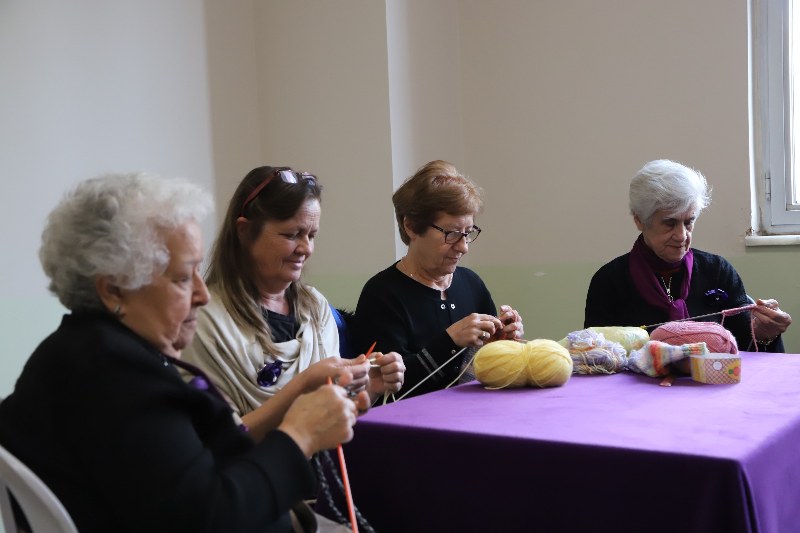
column 602, row 453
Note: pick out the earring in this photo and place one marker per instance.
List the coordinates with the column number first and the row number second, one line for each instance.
column 117, row 310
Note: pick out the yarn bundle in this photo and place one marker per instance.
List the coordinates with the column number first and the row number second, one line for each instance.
column 717, row 338
column 631, row 338
column 592, row 353
column 507, row 364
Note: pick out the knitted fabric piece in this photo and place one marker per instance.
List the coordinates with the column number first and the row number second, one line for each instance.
column 717, row 338
column 654, row 357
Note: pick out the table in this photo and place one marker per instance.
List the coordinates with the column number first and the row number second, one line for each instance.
column 601, row 453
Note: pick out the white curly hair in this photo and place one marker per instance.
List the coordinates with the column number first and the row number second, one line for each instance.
column 113, row 225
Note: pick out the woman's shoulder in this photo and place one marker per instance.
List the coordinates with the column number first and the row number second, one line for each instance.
column 88, row 343
column 619, row 263
column 465, row 274
column 214, row 320
column 214, row 312
column 318, row 296
column 710, row 261
column 388, row 276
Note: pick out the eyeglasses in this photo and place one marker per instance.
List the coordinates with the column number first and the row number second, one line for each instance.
column 286, row 174
column 452, row 237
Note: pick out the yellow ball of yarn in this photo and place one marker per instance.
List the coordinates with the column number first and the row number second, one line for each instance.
column 549, row 363
column 540, row 363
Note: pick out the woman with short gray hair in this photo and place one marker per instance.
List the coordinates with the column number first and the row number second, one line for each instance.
column 100, row 412
column 663, row 279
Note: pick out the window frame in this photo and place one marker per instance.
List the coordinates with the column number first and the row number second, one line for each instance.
column 774, row 211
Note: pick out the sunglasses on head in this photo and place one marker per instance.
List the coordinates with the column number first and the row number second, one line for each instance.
column 286, row 175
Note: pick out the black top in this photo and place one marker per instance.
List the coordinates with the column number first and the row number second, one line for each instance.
column 284, row 327
column 407, row 317
column 107, row 423
column 613, row 300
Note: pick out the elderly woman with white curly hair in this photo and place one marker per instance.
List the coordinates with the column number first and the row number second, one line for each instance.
column 100, row 411
column 662, row 278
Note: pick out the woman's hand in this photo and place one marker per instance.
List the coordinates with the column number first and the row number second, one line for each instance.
column 512, row 325
column 474, row 330
column 320, row 420
column 348, row 374
column 386, row 374
column 769, row 321
column 355, row 371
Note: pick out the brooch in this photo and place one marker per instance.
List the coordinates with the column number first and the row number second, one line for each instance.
column 716, row 296
column 269, row 373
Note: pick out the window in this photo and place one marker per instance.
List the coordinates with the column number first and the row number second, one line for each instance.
column 776, row 116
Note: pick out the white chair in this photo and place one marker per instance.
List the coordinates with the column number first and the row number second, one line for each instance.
column 44, row 511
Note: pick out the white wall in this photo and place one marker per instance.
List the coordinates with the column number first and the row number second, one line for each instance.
column 88, row 86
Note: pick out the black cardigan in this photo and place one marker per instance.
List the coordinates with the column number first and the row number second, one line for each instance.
column 613, row 300
column 107, row 423
column 409, row 318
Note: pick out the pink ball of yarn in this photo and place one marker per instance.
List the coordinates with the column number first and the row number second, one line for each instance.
column 717, row 338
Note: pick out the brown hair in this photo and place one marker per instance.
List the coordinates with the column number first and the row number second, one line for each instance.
column 436, row 187
column 230, row 272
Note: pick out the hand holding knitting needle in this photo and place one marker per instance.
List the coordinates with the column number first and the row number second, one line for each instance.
column 475, row 329
column 768, row 320
column 386, row 373
column 512, row 325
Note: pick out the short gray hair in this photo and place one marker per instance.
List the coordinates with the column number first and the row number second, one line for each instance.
column 669, row 186
column 113, row 225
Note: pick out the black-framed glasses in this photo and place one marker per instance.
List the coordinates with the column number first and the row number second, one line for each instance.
column 286, row 174
column 269, row 373
column 452, row 237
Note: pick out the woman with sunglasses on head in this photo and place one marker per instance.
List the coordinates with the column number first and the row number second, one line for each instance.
column 266, row 335
column 425, row 306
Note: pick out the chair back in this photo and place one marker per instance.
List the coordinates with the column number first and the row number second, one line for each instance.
column 346, row 350
column 43, row 511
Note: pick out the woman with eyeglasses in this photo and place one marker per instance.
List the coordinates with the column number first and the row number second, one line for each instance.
column 425, row 306
column 266, row 337
column 100, row 412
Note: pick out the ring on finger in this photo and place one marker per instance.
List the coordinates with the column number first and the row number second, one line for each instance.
column 483, row 335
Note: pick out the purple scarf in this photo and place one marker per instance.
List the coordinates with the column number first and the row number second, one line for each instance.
column 644, row 264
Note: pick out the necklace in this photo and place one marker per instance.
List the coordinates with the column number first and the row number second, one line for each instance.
column 667, row 287
column 440, row 286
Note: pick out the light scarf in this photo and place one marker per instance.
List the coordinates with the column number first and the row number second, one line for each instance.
column 232, row 357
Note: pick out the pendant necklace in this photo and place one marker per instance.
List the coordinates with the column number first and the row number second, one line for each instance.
column 667, row 287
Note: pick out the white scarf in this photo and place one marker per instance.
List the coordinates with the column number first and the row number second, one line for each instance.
column 232, row 358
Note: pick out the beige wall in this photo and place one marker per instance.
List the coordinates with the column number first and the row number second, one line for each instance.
column 551, row 106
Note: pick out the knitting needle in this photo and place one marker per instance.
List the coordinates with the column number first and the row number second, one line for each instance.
column 726, row 312
column 372, row 361
column 346, row 482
